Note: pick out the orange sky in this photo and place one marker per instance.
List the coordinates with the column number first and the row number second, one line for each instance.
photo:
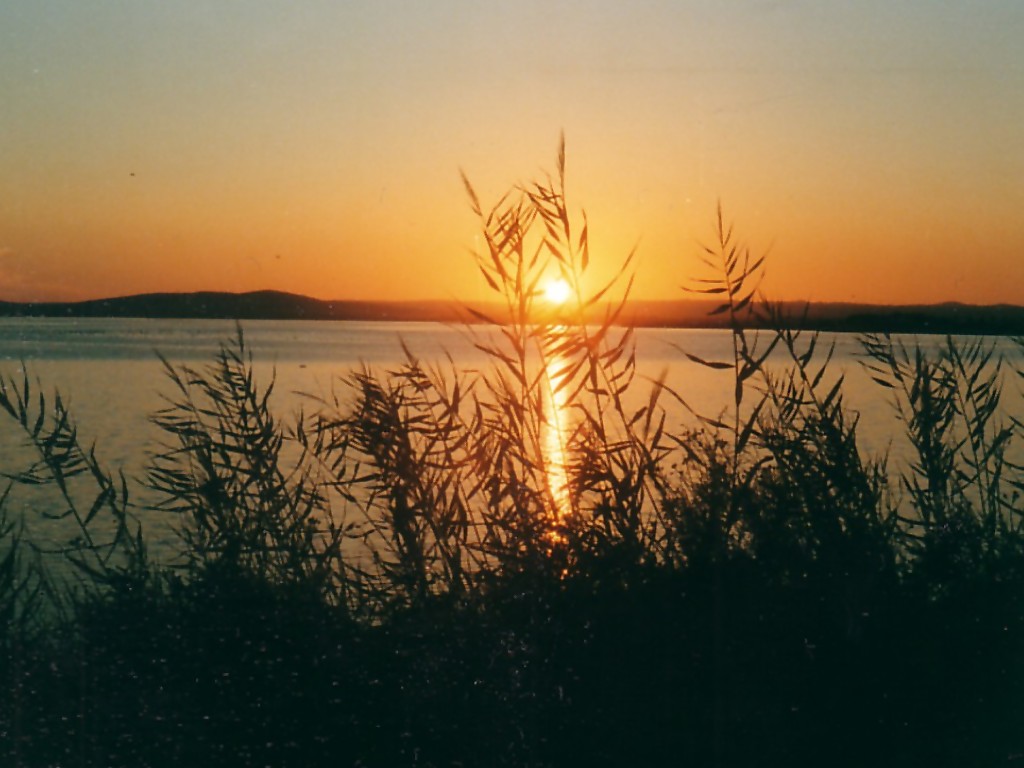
column 875, row 147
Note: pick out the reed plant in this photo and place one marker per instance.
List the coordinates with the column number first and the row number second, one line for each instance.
column 448, row 474
column 224, row 474
column 960, row 480
column 88, row 521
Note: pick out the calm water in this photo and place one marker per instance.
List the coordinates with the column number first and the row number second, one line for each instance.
column 109, row 370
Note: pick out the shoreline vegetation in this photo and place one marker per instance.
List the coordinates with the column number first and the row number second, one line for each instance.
column 838, row 317
column 509, row 566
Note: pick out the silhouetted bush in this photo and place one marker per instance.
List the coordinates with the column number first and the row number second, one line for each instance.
column 519, row 565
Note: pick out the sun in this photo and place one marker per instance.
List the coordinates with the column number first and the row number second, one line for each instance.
column 557, row 291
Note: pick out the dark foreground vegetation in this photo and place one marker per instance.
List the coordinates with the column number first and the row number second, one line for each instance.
column 398, row 576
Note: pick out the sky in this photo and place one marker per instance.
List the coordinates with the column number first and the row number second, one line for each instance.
column 874, row 149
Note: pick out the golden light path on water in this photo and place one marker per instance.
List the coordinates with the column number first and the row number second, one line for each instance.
column 555, row 434
column 556, row 292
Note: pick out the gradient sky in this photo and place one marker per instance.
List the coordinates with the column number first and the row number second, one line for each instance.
column 877, row 148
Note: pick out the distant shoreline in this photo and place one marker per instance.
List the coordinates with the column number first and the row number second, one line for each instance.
column 947, row 318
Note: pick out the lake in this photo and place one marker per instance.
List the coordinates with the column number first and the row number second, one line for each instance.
column 110, row 373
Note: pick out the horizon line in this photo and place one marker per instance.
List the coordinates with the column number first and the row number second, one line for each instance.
column 456, row 301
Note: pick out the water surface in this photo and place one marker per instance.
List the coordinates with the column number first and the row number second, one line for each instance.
column 110, row 371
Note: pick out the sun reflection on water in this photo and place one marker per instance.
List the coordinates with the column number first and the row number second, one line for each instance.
column 555, row 436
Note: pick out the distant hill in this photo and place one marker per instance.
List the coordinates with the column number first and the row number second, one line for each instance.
column 257, row 305
column 276, row 305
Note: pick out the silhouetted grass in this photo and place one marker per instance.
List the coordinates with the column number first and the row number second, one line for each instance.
column 432, row 567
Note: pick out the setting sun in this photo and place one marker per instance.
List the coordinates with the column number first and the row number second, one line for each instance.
column 557, row 291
